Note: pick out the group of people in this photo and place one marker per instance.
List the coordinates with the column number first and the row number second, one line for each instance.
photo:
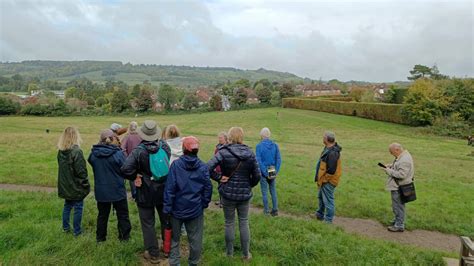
column 166, row 175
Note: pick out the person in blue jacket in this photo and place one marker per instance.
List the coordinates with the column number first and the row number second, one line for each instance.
column 269, row 161
column 188, row 191
column 106, row 158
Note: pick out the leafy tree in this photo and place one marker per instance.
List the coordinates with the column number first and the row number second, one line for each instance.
column 276, row 99
column 216, row 102
column 145, row 100
column 227, row 90
column 240, row 97
column 120, row 101
column 8, row 107
column 435, row 74
column 71, row 92
column 90, row 101
column 287, row 90
column 242, row 83
column 135, row 91
column 419, row 71
column 100, row 101
column 264, row 94
column 460, row 92
column 423, row 103
column 190, row 101
column 167, row 96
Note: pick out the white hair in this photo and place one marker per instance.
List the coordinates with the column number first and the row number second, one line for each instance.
column 265, row 133
column 133, row 126
column 396, row 145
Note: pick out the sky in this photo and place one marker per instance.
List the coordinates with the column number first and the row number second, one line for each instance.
column 377, row 41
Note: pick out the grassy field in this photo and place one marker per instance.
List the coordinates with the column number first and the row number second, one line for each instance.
column 444, row 177
column 31, row 235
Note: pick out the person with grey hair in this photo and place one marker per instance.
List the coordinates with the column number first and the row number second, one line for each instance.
column 269, row 161
column 399, row 173
column 328, row 173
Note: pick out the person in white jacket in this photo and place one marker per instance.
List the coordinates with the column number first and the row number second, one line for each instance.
column 174, row 140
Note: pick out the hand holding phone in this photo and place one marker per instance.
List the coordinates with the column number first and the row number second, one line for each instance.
column 382, row 165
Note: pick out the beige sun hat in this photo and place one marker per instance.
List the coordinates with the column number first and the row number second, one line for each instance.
column 149, row 131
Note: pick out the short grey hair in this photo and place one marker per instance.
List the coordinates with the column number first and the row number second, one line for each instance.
column 330, row 136
column 265, row 132
column 396, row 145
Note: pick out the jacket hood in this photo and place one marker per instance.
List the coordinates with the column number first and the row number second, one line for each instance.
column 151, row 146
column 242, row 151
column 102, row 150
column 336, row 147
column 189, row 162
column 65, row 153
column 176, row 146
column 267, row 144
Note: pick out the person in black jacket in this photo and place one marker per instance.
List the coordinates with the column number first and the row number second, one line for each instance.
column 149, row 192
column 73, row 184
column 106, row 158
column 239, row 173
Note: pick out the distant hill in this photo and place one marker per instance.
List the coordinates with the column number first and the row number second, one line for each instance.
column 101, row 71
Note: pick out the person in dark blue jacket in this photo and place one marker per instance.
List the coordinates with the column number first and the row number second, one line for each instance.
column 188, row 191
column 106, row 158
column 269, row 161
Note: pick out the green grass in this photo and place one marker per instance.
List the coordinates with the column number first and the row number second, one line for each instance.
column 443, row 170
column 31, row 235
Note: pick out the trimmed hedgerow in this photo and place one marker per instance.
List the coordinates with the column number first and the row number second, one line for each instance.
column 376, row 111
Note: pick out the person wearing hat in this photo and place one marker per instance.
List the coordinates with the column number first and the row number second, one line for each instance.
column 106, row 158
column 188, row 192
column 149, row 187
column 118, row 129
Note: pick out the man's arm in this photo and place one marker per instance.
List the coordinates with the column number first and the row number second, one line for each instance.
column 130, row 166
column 402, row 171
column 212, row 164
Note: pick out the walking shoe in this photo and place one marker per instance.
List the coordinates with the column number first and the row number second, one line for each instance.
column 266, row 213
column 274, row 213
column 395, row 229
column 319, row 217
column 247, row 258
column 150, row 258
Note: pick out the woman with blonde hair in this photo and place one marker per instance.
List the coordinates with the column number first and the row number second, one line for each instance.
column 174, row 140
column 239, row 174
column 73, row 183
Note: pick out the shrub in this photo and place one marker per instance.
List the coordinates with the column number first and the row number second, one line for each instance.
column 452, row 126
column 276, row 99
column 375, row 111
column 8, row 107
column 395, row 95
column 216, row 102
column 35, row 109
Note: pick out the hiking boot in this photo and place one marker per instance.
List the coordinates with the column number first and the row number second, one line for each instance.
column 247, row 258
column 266, row 213
column 274, row 213
column 150, row 258
column 393, row 228
column 319, row 218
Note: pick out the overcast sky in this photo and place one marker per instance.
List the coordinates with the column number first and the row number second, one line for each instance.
column 348, row 40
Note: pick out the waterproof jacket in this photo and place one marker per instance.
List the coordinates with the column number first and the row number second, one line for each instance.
column 73, row 183
column 188, row 189
column 150, row 193
column 241, row 180
column 106, row 161
column 268, row 154
column 328, row 169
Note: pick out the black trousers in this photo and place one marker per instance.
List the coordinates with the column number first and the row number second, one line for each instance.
column 147, row 221
column 123, row 221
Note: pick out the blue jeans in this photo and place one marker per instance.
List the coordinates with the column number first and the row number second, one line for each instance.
column 78, row 206
column 264, row 184
column 326, row 202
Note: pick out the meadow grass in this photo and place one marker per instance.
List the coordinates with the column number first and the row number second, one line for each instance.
column 31, row 234
column 444, row 172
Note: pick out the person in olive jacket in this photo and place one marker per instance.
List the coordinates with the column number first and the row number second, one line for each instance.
column 149, row 192
column 239, row 173
column 73, row 184
column 106, row 158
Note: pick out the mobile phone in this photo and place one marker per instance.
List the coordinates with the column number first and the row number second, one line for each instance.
column 382, row 165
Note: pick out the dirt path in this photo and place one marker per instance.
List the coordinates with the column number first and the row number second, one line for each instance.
column 431, row 240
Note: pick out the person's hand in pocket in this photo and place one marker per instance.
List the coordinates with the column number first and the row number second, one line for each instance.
column 138, row 181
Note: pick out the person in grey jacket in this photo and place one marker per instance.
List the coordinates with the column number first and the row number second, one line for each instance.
column 400, row 172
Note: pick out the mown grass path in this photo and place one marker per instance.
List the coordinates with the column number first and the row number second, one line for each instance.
column 430, row 240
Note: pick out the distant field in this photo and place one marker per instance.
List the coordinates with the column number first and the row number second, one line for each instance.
column 96, row 76
column 31, row 235
column 444, row 176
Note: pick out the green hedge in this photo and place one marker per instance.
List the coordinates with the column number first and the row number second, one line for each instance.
column 376, row 111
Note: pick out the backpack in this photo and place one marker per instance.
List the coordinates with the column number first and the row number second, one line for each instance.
column 159, row 164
